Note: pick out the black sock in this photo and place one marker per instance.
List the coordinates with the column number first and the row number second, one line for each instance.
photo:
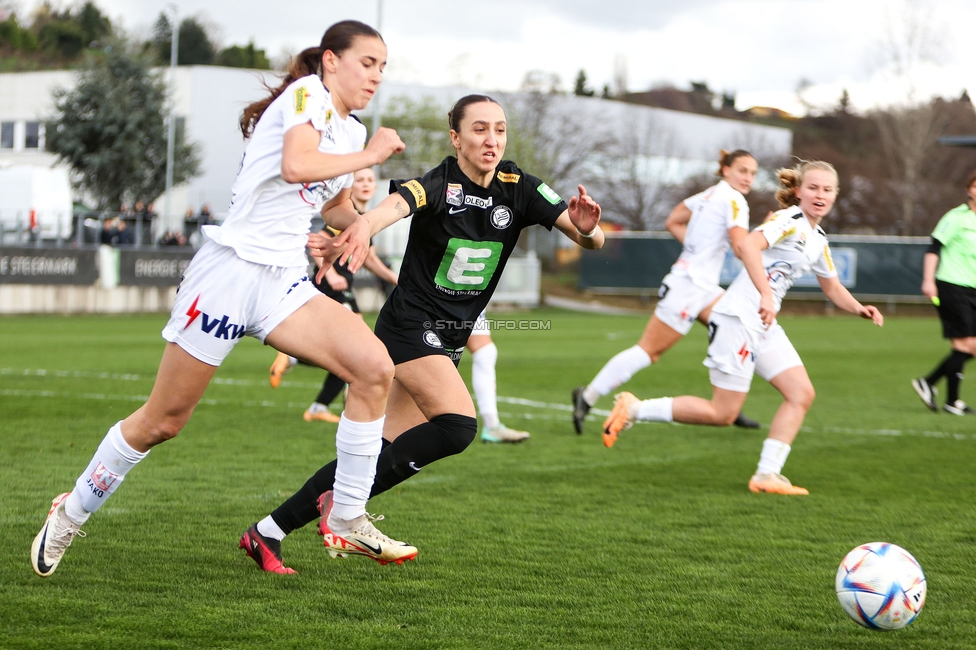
column 940, row 371
column 414, row 449
column 954, row 365
column 331, row 388
column 302, row 507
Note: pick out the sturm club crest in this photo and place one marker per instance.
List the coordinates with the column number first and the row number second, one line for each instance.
column 501, row 217
column 431, row 339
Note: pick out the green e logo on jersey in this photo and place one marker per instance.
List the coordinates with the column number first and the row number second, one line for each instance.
column 468, row 264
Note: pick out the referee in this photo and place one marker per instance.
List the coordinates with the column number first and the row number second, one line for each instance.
column 949, row 279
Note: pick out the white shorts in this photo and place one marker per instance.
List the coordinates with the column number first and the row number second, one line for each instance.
column 222, row 297
column 480, row 327
column 736, row 352
column 682, row 300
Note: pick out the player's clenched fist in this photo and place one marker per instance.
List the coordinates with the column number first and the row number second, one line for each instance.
column 384, row 144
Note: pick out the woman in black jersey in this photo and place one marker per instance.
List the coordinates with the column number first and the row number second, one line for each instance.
column 467, row 215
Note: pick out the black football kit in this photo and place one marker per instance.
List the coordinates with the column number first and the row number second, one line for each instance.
column 460, row 239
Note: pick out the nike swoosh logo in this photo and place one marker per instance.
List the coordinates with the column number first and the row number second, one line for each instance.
column 456, row 210
column 378, row 550
column 43, row 566
column 414, row 467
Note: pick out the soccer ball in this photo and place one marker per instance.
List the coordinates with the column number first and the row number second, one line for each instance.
column 881, row 586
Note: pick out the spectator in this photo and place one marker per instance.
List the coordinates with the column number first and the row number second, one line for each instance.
column 205, row 217
column 173, row 238
column 124, row 236
column 110, row 233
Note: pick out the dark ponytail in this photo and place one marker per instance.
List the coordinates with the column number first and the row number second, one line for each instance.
column 456, row 114
column 337, row 38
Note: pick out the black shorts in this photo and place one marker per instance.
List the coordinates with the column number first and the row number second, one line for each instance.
column 409, row 336
column 345, row 298
column 957, row 309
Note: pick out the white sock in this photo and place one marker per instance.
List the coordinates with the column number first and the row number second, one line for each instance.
column 616, row 371
column 483, row 380
column 269, row 528
column 105, row 472
column 316, row 408
column 358, row 445
column 293, row 361
column 773, row 457
column 655, row 410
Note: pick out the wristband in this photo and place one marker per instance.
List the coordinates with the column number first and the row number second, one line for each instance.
column 587, row 235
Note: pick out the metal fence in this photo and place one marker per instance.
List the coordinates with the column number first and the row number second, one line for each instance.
column 123, row 229
column 871, row 267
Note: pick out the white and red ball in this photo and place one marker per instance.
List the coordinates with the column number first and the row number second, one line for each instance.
column 881, row 586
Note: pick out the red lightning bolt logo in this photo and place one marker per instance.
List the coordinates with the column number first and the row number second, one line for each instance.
column 193, row 312
column 743, row 351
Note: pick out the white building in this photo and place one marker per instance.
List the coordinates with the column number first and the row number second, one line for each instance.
column 208, row 98
column 669, row 145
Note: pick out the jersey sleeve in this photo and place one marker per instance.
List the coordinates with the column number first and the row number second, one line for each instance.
column 824, row 266
column 946, row 229
column 422, row 194
column 738, row 212
column 306, row 101
column 542, row 205
column 778, row 228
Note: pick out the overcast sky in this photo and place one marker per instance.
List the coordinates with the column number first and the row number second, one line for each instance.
column 760, row 49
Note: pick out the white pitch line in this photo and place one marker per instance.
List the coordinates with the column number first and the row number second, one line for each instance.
column 517, row 401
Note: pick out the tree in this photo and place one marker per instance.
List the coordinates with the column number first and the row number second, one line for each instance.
column 910, row 129
column 195, row 45
column 422, row 125
column 111, row 130
column 579, row 87
column 638, row 172
column 94, row 25
column 248, row 56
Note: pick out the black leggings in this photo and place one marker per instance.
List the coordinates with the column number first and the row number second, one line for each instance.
column 414, row 449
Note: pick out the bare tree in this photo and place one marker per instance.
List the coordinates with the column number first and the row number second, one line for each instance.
column 909, row 137
column 909, row 130
column 550, row 139
column 641, row 173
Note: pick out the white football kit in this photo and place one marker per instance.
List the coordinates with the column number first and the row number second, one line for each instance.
column 692, row 285
column 739, row 344
column 253, row 273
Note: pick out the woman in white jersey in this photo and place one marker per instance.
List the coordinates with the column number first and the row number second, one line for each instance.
column 746, row 339
column 705, row 224
column 250, row 278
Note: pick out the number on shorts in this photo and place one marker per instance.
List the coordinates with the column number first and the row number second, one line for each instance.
column 663, row 291
column 712, row 329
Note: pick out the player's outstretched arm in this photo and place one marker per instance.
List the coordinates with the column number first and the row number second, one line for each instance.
column 840, row 296
column 749, row 249
column 581, row 221
column 354, row 240
column 302, row 162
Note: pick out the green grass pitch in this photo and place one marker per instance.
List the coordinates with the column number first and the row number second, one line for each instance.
column 556, row 543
